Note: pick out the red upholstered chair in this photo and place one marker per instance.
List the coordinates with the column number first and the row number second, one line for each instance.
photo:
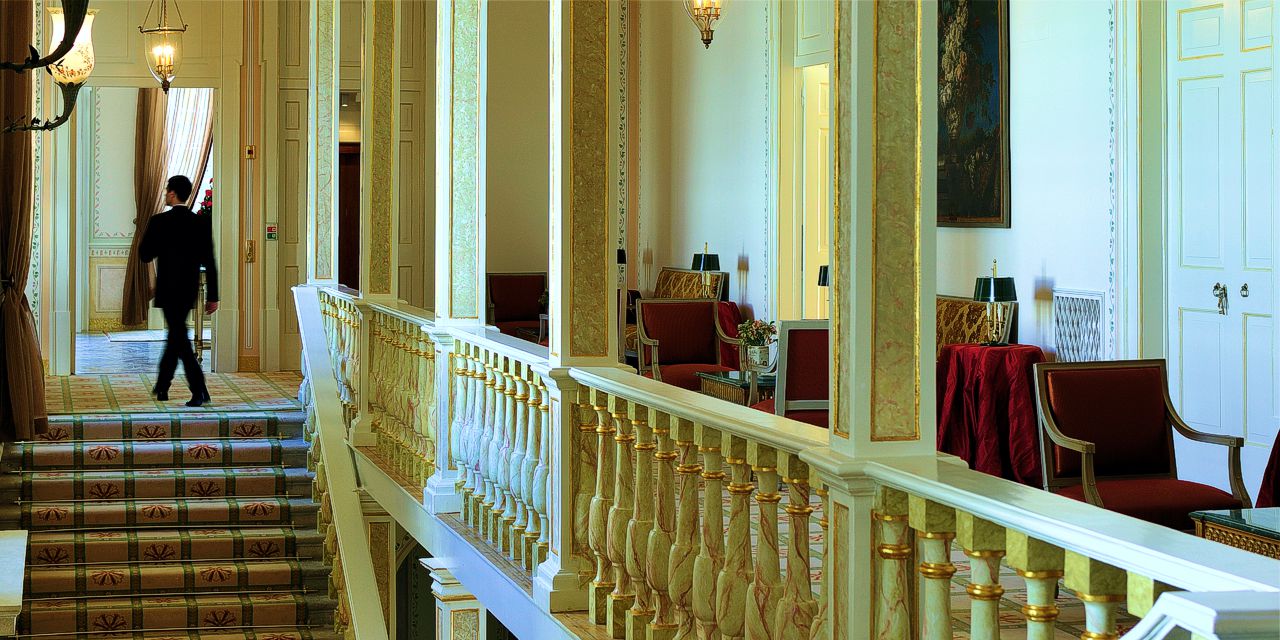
column 804, row 383
column 1107, row 439
column 679, row 339
column 513, row 300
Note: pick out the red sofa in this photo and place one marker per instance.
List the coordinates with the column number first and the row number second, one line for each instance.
column 804, row 378
column 514, row 300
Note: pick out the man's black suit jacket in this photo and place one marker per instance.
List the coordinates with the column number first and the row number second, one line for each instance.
column 181, row 242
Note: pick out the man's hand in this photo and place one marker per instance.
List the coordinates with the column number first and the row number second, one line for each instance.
column 210, row 307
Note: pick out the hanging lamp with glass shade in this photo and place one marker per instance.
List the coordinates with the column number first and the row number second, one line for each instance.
column 162, row 43
column 70, row 72
column 705, row 14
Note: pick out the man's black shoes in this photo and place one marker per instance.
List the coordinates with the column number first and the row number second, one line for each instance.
column 199, row 398
column 161, row 395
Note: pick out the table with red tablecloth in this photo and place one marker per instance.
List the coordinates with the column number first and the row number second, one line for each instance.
column 986, row 409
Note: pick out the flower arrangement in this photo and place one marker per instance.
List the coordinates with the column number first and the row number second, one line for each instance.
column 757, row 333
column 206, row 203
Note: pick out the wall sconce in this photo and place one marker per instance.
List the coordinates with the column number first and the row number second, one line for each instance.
column 704, row 14
column 69, row 70
column 162, row 44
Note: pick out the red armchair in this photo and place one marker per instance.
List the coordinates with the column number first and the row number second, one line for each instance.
column 680, row 338
column 514, row 300
column 1107, row 439
column 804, row 383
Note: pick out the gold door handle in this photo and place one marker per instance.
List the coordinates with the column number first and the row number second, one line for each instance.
column 1220, row 292
column 1244, row 290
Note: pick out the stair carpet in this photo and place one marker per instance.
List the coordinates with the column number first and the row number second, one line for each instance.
column 167, row 526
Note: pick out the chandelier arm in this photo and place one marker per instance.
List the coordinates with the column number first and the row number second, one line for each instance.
column 75, row 12
column 69, row 93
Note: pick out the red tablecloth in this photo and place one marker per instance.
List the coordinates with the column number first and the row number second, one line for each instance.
column 986, row 409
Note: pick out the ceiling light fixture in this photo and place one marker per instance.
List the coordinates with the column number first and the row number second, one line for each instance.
column 162, row 44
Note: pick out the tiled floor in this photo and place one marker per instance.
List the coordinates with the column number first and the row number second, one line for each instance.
column 95, row 354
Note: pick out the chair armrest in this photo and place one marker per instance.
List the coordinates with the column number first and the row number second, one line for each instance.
column 1083, row 447
column 1233, row 444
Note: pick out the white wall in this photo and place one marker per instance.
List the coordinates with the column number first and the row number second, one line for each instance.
column 518, row 133
column 1060, row 162
column 705, row 147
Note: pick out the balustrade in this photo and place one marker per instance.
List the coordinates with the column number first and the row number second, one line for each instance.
column 701, row 520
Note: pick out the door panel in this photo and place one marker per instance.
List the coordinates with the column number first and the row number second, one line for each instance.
column 1221, row 230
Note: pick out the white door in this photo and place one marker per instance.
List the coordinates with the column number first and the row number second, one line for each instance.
column 1221, row 119
column 817, row 186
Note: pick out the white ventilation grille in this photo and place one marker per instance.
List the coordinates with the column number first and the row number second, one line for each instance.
column 1077, row 325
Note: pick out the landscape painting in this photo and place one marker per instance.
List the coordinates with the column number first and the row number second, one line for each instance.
column 973, row 113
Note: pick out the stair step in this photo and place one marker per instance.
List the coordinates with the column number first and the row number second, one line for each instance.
column 243, row 610
column 211, row 512
column 162, row 426
column 118, row 454
column 124, row 484
column 256, row 633
column 161, row 545
column 169, row 577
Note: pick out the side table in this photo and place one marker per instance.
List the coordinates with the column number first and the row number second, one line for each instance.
column 1256, row 530
column 736, row 386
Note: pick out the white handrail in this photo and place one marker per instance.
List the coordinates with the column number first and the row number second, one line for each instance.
column 1163, row 554
column 766, row 428
column 361, row 585
column 1224, row 615
column 13, row 562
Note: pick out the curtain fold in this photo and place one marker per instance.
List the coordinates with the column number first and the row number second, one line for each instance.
column 189, row 131
column 150, row 166
column 22, row 403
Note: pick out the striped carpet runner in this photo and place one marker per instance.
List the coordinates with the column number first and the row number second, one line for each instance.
column 167, row 526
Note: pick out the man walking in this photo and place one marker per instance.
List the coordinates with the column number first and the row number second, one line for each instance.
column 181, row 242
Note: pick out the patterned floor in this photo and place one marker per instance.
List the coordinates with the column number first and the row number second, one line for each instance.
column 131, row 393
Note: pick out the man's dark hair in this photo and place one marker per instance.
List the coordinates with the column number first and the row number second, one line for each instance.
column 180, row 186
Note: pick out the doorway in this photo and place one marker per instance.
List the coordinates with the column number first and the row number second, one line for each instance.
column 106, row 178
column 1221, row 198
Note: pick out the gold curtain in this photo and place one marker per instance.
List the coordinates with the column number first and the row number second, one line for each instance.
column 150, row 174
column 190, row 121
column 22, row 408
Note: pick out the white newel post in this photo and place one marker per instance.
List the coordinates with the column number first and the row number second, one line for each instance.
column 459, row 615
column 441, row 494
column 362, row 427
column 559, row 584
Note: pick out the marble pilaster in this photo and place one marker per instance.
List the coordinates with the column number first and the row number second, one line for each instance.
column 380, row 150
column 322, row 184
column 459, row 615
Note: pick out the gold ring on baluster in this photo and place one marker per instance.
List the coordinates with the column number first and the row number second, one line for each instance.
column 798, row 510
column 1043, row 574
column 1112, row 598
column 887, row 517
column 1094, row 635
column 664, row 456
column 624, row 438
column 731, row 460
column 1040, row 612
column 689, row 469
column 763, row 469
column 702, row 449
column 740, row 488
column 937, row 570
column 646, row 446
column 988, row 553
column 768, row 498
column 936, row 535
column 985, row 592
column 712, row 475
column 894, row 551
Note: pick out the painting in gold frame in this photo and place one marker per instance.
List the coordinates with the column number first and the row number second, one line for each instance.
column 973, row 113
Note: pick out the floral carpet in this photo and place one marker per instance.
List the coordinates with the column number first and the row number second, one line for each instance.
column 131, row 393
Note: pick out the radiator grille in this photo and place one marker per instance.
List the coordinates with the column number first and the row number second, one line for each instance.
column 1077, row 325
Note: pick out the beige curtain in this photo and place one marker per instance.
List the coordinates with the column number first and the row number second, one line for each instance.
column 150, row 159
column 22, row 408
column 189, row 131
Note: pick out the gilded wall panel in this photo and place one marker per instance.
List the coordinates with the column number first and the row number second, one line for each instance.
column 324, row 139
column 384, row 101
column 465, row 162
column 588, row 218
column 896, row 225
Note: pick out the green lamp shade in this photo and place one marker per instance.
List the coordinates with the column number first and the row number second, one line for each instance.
column 824, row 276
column 990, row 289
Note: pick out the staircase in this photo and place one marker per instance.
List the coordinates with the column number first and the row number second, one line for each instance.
column 169, row 525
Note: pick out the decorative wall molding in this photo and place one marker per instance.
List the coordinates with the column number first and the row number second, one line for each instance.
column 1112, row 305
column 37, row 155
column 121, row 251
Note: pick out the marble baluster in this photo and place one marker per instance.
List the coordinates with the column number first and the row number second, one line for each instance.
column 894, row 594
column 529, row 472
column 1041, row 565
column 501, row 444
column 481, row 389
column 685, row 549
column 484, row 493
column 1102, row 588
column 641, row 524
column 735, row 576
column 796, row 609
column 457, row 420
column 935, row 527
column 513, row 516
column 519, row 510
column 542, row 475
column 710, row 560
column 473, row 388
column 821, row 622
column 658, row 547
column 983, row 543
column 601, row 503
column 766, row 581
column 623, row 594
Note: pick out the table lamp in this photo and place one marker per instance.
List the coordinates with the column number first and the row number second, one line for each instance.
column 622, row 305
column 706, row 262
column 996, row 292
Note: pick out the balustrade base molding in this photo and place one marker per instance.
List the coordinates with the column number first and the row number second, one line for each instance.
column 459, row 615
column 441, row 494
